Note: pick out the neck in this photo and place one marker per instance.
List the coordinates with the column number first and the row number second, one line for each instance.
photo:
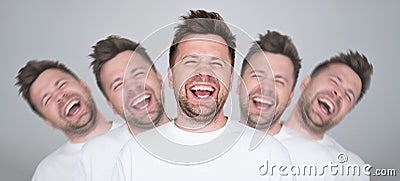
column 296, row 123
column 275, row 128
column 134, row 131
column 185, row 123
column 101, row 126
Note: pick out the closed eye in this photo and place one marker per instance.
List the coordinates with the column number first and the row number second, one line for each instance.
column 190, row 60
column 334, row 81
column 138, row 74
column 216, row 62
column 116, row 86
column 46, row 99
column 279, row 82
column 61, row 83
column 255, row 75
column 350, row 95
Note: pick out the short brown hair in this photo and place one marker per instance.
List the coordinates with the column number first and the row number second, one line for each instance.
column 202, row 22
column 106, row 49
column 274, row 42
column 356, row 61
column 31, row 71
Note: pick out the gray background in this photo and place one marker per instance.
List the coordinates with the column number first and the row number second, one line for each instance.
column 65, row 30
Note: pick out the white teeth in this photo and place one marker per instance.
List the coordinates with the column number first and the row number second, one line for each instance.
column 328, row 103
column 202, row 97
column 70, row 105
column 262, row 101
column 139, row 100
column 202, row 88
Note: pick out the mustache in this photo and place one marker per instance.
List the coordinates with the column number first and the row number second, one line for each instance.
column 135, row 91
column 202, row 78
column 263, row 92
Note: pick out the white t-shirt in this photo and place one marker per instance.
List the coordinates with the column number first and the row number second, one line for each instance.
column 60, row 164
column 319, row 157
column 97, row 157
column 170, row 153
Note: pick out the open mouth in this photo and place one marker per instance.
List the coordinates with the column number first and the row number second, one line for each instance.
column 262, row 102
column 141, row 102
column 72, row 108
column 202, row 91
column 326, row 106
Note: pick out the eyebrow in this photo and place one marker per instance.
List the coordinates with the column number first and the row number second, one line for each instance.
column 190, row 56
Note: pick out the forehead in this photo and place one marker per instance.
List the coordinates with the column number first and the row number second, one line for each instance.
column 258, row 62
column 46, row 80
column 199, row 44
column 138, row 61
column 116, row 64
column 120, row 63
column 345, row 73
column 280, row 63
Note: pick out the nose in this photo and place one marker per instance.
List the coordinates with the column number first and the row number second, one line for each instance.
column 60, row 95
column 133, row 87
column 266, row 83
column 204, row 68
column 338, row 91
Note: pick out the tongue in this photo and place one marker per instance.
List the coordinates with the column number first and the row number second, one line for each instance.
column 324, row 108
column 73, row 110
column 200, row 93
column 258, row 104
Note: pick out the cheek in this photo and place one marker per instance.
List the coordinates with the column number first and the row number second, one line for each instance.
column 179, row 78
column 116, row 98
column 346, row 108
column 50, row 112
column 283, row 93
column 223, row 73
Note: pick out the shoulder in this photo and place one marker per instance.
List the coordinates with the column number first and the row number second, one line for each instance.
column 63, row 152
column 114, row 138
column 59, row 163
column 349, row 155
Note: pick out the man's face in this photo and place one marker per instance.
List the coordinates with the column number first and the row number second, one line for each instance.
column 328, row 97
column 282, row 68
column 142, row 94
column 112, row 77
column 201, row 77
column 256, row 93
column 65, row 102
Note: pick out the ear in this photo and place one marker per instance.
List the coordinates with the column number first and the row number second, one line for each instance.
column 50, row 124
column 112, row 107
column 170, row 79
column 239, row 84
column 290, row 99
column 159, row 77
column 85, row 86
column 230, row 82
column 304, row 83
